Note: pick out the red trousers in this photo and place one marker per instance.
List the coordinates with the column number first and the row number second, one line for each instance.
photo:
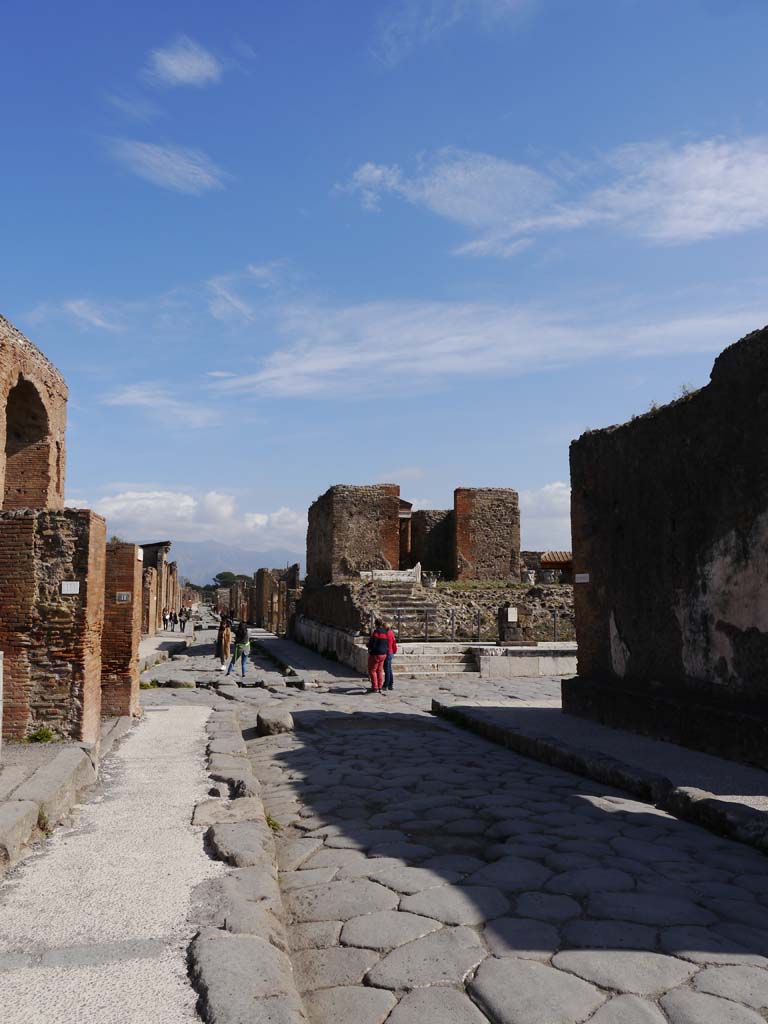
column 376, row 670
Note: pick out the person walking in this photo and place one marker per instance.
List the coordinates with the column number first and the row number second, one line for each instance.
column 378, row 647
column 242, row 647
column 174, row 618
column 389, row 679
column 182, row 619
column 226, row 639
column 165, row 619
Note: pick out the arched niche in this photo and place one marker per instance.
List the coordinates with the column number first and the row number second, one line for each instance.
column 27, row 449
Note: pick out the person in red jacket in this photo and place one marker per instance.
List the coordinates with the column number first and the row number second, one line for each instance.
column 378, row 648
column 389, row 679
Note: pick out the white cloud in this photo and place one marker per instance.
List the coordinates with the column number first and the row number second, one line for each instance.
column 136, row 108
column 140, row 514
column 184, row 62
column 176, row 167
column 545, row 518
column 659, row 192
column 161, row 403
column 411, row 23
column 91, row 313
column 335, row 351
column 226, row 301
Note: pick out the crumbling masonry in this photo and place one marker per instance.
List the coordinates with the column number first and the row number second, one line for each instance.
column 52, row 567
column 670, row 549
column 356, row 529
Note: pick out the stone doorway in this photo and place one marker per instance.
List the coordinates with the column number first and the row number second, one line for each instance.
column 27, row 449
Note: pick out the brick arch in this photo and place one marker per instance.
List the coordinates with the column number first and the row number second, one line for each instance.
column 27, row 448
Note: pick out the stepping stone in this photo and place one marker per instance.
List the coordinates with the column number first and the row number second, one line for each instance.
column 386, row 929
column 686, row 1007
column 349, row 1005
column 314, row 935
column 339, row 901
column 328, row 968
column 526, row 992
column 628, row 1010
column 511, row 873
column 458, row 904
column 582, row 881
column 444, row 958
column 412, row 880
column 370, row 867
column 515, row 936
column 547, row 908
column 747, row 985
column 609, row 935
column 641, row 973
column 438, row 1005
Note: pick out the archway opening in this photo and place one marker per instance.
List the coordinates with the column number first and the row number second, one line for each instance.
column 27, row 449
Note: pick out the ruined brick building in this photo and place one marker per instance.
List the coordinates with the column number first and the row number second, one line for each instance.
column 53, row 566
column 670, row 535
column 356, row 529
column 160, row 586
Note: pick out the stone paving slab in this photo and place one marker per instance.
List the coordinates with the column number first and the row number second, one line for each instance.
column 735, row 804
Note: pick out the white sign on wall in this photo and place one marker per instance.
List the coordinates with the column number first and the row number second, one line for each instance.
column 581, row 577
column 70, row 586
column 123, row 596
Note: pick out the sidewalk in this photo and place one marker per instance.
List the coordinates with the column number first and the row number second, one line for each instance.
column 157, row 648
column 96, row 927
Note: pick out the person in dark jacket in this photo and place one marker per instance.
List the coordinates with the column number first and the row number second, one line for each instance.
column 389, row 679
column 242, row 648
column 378, row 648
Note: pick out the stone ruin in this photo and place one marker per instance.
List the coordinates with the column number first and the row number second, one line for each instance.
column 358, row 529
column 670, row 537
column 63, row 636
column 159, row 586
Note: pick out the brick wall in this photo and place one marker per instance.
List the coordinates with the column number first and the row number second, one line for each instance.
column 487, row 524
column 352, row 529
column 33, row 410
column 432, row 540
column 52, row 641
column 122, row 630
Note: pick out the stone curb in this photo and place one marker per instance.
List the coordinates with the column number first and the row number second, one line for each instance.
column 46, row 797
column 723, row 817
column 239, row 963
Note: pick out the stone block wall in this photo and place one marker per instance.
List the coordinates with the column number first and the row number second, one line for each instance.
column 33, row 410
column 353, row 529
column 433, row 540
column 670, row 522
column 149, row 612
column 52, row 640
column 122, row 629
column 487, row 523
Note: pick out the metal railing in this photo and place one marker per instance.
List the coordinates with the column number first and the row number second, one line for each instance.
column 442, row 624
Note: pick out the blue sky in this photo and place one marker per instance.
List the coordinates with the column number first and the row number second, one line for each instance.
column 279, row 245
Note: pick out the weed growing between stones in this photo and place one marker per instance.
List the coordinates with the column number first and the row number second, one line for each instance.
column 41, row 735
column 43, row 824
column 274, row 825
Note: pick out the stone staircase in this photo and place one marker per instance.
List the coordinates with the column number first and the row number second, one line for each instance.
column 415, row 660
column 406, row 606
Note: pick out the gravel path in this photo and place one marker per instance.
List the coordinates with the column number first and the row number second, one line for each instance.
column 94, row 929
column 435, row 878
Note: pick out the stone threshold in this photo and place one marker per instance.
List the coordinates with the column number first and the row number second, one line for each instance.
column 739, row 811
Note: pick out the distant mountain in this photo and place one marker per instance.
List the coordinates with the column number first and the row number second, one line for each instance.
column 199, row 561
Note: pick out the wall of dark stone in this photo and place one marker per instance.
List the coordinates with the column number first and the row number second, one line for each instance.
column 670, row 521
column 432, row 540
column 487, row 523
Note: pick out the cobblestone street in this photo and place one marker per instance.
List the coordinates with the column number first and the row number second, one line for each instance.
column 431, row 876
